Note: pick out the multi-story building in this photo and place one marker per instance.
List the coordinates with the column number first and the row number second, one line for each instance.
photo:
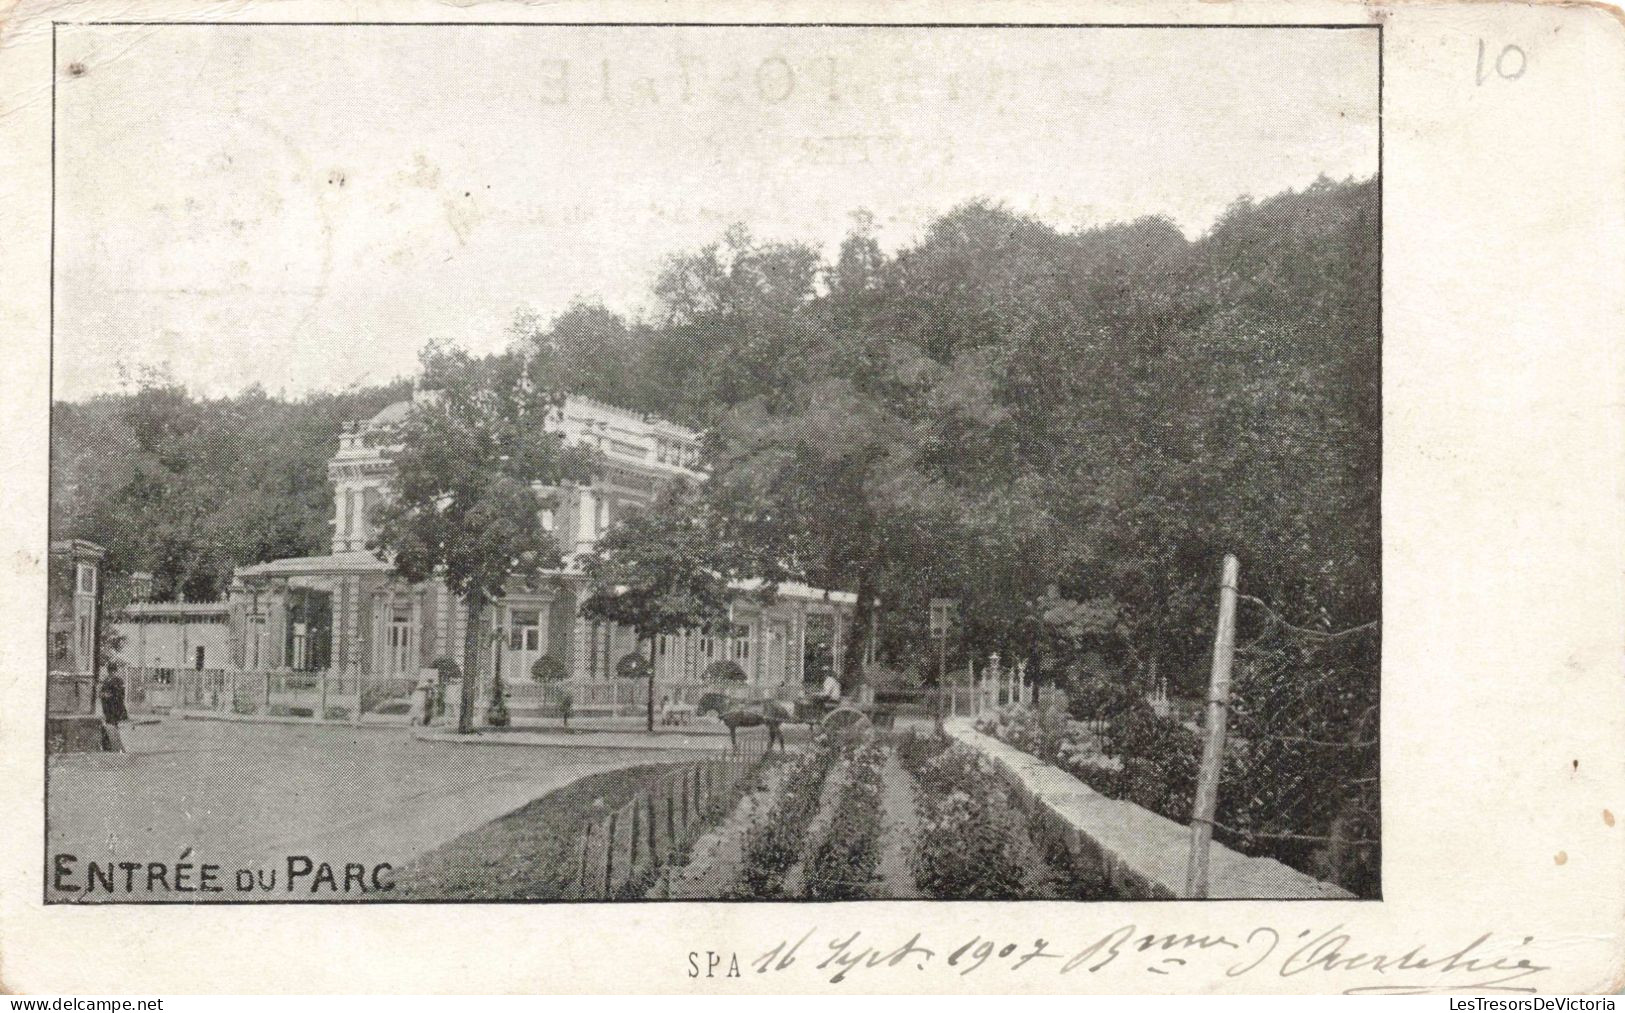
column 347, row 612
column 73, row 625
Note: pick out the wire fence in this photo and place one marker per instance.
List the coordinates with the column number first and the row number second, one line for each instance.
column 1300, row 780
column 619, row 856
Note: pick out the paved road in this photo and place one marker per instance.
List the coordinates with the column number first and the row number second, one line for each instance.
column 244, row 796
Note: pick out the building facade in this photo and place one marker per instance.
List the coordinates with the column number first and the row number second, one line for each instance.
column 73, row 625
column 347, row 612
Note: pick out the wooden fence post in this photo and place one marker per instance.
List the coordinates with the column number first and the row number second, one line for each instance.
column 654, row 854
column 1218, row 709
column 631, row 864
column 632, row 845
column 687, row 804
column 609, row 855
column 671, row 824
column 583, row 868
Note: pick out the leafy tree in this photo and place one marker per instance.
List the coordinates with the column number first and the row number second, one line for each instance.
column 464, row 505
column 190, row 488
column 660, row 571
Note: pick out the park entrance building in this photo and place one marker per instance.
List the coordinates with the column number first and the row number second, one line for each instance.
column 346, row 615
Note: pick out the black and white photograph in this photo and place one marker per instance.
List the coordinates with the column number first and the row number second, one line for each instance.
column 636, row 463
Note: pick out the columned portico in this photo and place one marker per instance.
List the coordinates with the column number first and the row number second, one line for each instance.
column 377, row 635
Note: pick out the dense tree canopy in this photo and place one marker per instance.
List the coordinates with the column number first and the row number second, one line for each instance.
column 1065, row 430
column 189, row 488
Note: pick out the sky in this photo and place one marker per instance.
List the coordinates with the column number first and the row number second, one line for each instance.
column 305, row 207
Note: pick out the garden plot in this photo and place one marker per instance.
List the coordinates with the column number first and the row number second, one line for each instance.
column 872, row 817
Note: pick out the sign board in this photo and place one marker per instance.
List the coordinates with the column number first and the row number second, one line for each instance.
column 942, row 615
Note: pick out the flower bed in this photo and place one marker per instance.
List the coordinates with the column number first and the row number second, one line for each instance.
column 971, row 844
column 1141, row 758
column 842, row 866
column 775, row 844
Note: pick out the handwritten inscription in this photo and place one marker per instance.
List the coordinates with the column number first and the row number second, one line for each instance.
column 1484, row 964
column 1509, row 64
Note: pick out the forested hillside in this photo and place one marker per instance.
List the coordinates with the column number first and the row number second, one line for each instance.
column 1065, row 430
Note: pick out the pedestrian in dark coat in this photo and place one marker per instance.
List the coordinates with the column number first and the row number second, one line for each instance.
column 112, row 695
column 113, row 711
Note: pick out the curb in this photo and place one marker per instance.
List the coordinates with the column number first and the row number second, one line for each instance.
column 584, row 742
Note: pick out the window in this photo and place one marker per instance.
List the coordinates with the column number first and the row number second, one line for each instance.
column 547, row 520
column 199, row 665
column 369, row 499
column 59, row 645
column 87, row 578
column 400, row 645
column 742, row 646
column 526, row 632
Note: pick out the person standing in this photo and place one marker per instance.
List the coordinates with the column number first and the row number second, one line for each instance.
column 831, row 690
column 422, row 709
column 113, row 710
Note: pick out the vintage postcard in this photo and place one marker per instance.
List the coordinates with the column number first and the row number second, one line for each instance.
column 1119, row 497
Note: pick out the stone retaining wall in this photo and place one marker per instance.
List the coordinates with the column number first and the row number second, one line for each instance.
column 1137, row 852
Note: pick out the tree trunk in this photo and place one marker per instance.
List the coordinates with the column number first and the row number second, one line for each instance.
column 651, row 700
column 858, row 643
column 471, row 661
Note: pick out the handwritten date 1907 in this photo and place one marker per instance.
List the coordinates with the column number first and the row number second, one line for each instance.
column 1482, row 965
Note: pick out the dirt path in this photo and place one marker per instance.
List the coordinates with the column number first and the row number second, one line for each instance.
column 828, row 799
column 716, row 858
column 899, row 822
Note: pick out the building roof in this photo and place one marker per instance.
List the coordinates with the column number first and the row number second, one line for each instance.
column 792, row 591
column 391, row 415
column 165, row 609
column 338, row 562
column 79, row 548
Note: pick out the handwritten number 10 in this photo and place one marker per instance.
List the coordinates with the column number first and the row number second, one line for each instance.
column 1509, row 64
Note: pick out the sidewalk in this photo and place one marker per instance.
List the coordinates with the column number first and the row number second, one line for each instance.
column 662, row 739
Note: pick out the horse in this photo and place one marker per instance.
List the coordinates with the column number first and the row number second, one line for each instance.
column 738, row 714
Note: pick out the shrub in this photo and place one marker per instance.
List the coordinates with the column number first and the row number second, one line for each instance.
column 970, row 841
column 547, row 669
column 1141, row 758
column 843, row 863
column 448, row 668
column 914, row 751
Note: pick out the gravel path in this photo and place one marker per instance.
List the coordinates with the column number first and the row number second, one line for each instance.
column 899, row 822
